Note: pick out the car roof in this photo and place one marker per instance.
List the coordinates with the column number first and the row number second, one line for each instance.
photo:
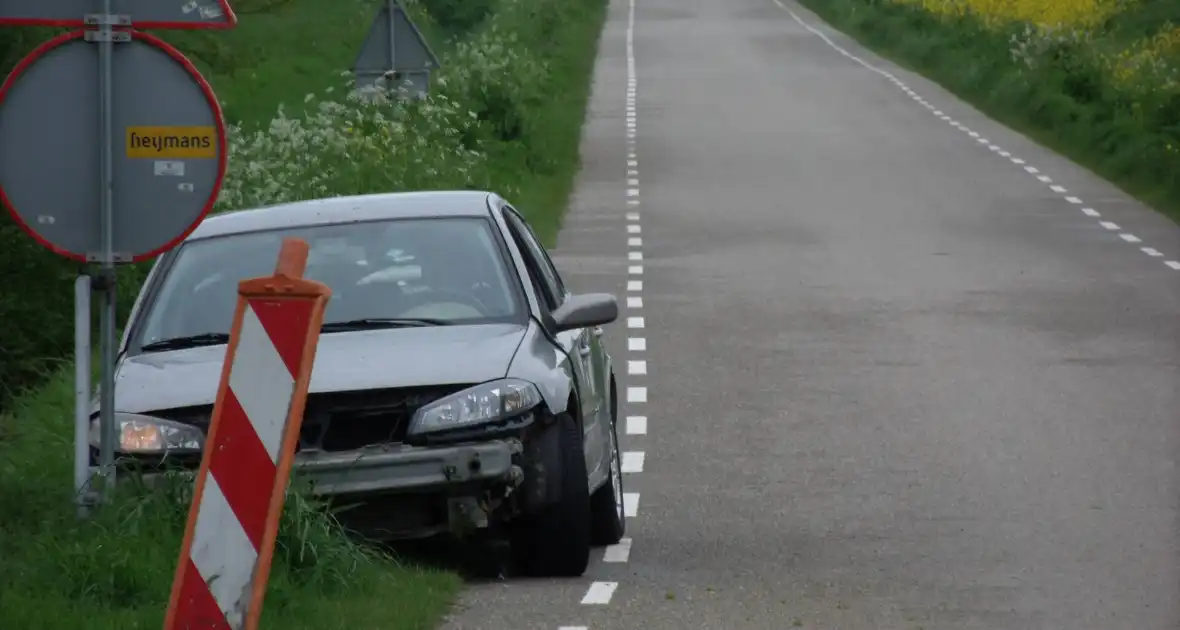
column 348, row 209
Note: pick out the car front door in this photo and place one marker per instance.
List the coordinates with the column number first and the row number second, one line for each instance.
column 577, row 343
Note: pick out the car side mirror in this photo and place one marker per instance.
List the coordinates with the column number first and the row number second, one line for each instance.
column 586, row 310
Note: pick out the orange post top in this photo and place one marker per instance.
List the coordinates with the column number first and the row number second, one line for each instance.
column 288, row 278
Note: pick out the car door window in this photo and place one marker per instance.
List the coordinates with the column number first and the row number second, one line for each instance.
column 541, row 266
column 546, row 292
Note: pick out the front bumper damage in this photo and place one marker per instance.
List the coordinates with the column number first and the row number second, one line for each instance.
column 398, row 491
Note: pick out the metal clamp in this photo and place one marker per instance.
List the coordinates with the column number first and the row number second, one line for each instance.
column 116, row 257
column 99, row 19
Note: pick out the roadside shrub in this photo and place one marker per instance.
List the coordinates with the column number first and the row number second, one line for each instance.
column 459, row 17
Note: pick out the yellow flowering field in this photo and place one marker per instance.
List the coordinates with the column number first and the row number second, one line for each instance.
column 1069, row 13
column 1139, row 64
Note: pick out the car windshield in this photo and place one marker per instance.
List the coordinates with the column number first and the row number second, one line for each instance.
column 438, row 271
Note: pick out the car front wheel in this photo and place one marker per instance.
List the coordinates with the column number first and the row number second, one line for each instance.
column 556, row 541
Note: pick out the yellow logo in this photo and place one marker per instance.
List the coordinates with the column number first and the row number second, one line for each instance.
column 172, row 142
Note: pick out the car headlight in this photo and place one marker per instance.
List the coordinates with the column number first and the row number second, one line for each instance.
column 139, row 434
column 488, row 402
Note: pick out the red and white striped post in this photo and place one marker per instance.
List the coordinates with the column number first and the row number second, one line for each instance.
column 238, row 499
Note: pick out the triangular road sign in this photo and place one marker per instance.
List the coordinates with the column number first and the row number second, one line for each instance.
column 394, row 43
column 143, row 14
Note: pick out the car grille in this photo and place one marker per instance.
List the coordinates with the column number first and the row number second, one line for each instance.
column 343, row 421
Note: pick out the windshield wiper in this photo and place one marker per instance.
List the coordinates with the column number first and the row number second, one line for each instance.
column 191, row 341
column 376, row 323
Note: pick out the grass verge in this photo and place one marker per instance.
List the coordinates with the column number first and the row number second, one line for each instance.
column 506, row 115
column 1065, row 102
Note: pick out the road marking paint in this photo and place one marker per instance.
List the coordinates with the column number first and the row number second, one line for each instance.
column 1005, row 154
column 632, row 172
column 634, row 255
column 1108, row 225
column 630, row 504
column 634, row 228
column 637, row 367
column 633, row 462
column 632, row 192
column 1090, row 212
column 938, row 112
column 635, row 270
column 634, row 302
column 618, row 552
column 635, row 285
column 1173, row 264
column 636, row 344
column 632, row 182
column 1032, row 169
column 600, row 593
column 632, row 216
column 636, row 425
column 982, row 140
column 1058, row 189
column 636, row 394
column 635, row 241
column 633, row 163
column 632, row 202
column 993, row 147
column 1151, row 251
column 1130, row 238
column 573, row 628
column 1045, row 179
column 1074, row 200
column 634, row 322
column 1017, row 160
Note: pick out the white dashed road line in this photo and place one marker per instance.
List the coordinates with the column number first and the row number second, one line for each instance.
column 618, row 553
column 630, row 504
column 1061, row 190
column 599, row 592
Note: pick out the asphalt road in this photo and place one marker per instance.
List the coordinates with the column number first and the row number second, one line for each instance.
column 894, row 378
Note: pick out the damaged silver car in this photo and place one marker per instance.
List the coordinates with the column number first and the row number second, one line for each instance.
column 457, row 382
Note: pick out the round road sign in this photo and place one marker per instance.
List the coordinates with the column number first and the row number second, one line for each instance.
column 169, row 148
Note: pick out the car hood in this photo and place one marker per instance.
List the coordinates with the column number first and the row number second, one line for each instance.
column 345, row 361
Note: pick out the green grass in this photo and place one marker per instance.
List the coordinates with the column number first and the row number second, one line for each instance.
column 1067, row 105
column 114, row 572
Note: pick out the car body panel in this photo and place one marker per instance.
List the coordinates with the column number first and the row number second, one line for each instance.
column 558, row 363
column 345, row 361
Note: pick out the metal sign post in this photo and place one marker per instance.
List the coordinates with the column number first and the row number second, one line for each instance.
column 395, row 54
column 111, row 180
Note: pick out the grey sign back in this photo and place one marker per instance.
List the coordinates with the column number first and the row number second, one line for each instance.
column 142, row 13
column 169, row 153
column 395, row 44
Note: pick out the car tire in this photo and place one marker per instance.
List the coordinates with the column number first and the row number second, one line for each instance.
column 607, row 521
column 556, row 541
